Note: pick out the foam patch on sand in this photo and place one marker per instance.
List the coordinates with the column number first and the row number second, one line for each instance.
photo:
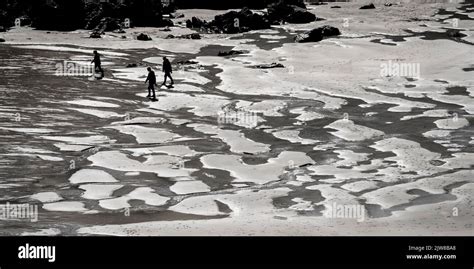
column 92, row 103
column 272, row 37
column 43, row 232
column 147, row 135
column 258, row 82
column 162, row 165
column 65, row 207
column 68, row 147
column 178, row 150
column 301, row 205
column 98, row 192
column 459, row 160
column 410, row 156
column 437, row 134
column 395, row 195
column 259, row 174
column 235, row 139
column 360, row 186
column 268, row 108
column 348, row 130
column 91, row 176
column 438, row 113
column 145, row 194
column 203, row 105
column 29, row 130
column 98, row 113
column 203, row 206
column 32, row 150
column 305, row 115
column 252, row 214
column 139, row 120
column 46, row 197
column 134, row 73
column 340, row 174
column 334, row 195
column 189, row 77
column 41, row 156
column 350, row 158
column 452, row 124
column 187, row 187
column 292, row 136
column 460, row 100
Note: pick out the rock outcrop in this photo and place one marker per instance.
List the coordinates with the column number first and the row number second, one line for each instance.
column 317, row 34
column 237, row 22
column 283, row 12
column 144, row 37
column 291, row 11
column 369, row 6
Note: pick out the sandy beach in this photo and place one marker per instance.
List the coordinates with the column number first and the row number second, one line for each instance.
column 377, row 119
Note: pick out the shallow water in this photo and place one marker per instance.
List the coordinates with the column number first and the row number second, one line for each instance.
column 94, row 153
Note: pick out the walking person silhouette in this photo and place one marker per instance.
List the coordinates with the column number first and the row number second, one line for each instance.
column 97, row 63
column 151, row 80
column 167, row 69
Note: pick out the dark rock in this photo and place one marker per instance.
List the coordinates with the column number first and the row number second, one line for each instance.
column 336, row 7
column 230, row 53
column 454, row 33
column 195, row 23
column 283, row 11
column 317, row 34
column 269, row 66
column 132, row 65
column 166, row 23
column 2, row 40
column 300, row 15
column 143, row 37
column 108, row 24
column 388, row 4
column 191, row 36
column 96, row 34
column 238, row 22
column 167, row 29
column 188, row 36
column 187, row 62
column 369, row 6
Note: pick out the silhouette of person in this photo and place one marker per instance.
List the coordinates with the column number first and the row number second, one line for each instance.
column 97, row 63
column 151, row 80
column 167, row 69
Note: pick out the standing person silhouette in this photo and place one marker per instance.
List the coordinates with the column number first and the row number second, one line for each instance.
column 151, row 80
column 97, row 63
column 167, row 69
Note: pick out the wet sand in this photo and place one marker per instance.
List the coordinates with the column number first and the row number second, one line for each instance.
column 326, row 128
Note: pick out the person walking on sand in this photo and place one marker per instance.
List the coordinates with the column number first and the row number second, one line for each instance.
column 97, row 63
column 151, row 80
column 167, row 69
